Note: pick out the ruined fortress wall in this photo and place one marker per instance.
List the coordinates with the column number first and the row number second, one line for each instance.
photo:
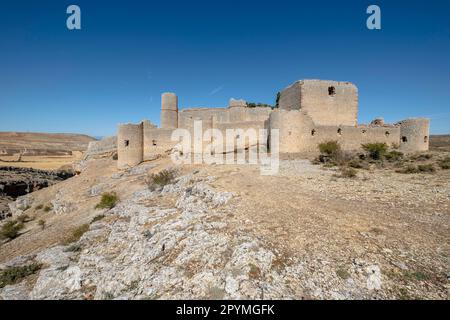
column 290, row 97
column 241, row 131
column 294, row 127
column 330, row 103
column 129, row 145
column 186, row 117
column 414, row 134
column 350, row 138
column 156, row 141
column 257, row 114
column 169, row 110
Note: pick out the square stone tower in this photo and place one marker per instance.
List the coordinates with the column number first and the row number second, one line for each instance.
column 328, row 103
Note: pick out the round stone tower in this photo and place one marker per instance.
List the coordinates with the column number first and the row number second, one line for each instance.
column 130, row 146
column 169, row 111
column 414, row 134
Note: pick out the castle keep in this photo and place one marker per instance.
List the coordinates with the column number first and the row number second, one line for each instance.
column 309, row 112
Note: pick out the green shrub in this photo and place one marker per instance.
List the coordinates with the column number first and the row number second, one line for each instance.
column 376, row 151
column 426, row 168
column 394, row 155
column 48, row 208
column 158, row 180
column 39, row 207
column 262, row 105
column 98, row 218
column 76, row 234
column 10, row 229
column 108, row 201
column 13, row 275
column 330, row 148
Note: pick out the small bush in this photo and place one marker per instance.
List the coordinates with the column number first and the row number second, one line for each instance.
column 376, row 151
column 10, row 229
column 408, row 170
column 158, row 180
column 41, row 223
column 47, row 208
column 423, row 168
column 444, row 163
column 348, row 172
column 98, row 218
column 358, row 164
column 394, row 156
column 77, row 234
column 108, row 201
column 330, row 148
column 426, row 168
column 14, row 275
column 422, row 157
column 39, row 207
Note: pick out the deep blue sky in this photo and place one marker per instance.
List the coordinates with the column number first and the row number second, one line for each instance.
column 128, row 52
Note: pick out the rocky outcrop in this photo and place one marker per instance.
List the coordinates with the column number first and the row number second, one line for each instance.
column 18, row 182
column 192, row 250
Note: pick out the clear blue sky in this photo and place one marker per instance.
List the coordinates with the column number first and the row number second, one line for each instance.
column 128, row 52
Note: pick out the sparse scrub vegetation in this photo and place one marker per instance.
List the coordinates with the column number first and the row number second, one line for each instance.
column 158, row 180
column 347, row 173
column 444, row 163
column 108, row 201
column 426, row 168
column 262, row 105
column 394, row 156
column 376, row 151
column 14, row 275
column 422, row 157
column 39, row 207
column 330, row 148
column 98, row 218
column 10, row 230
column 422, row 168
column 77, row 234
column 48, row 208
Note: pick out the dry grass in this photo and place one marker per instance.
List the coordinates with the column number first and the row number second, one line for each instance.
column 76, row 234
column 108, row 201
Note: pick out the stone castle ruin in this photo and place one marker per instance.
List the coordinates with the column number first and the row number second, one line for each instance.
column 309, row 112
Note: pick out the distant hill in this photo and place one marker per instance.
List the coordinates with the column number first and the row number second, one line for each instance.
column 440, row 142
column 33, row 143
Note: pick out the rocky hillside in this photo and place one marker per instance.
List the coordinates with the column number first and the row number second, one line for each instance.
column 31, row 143
column 225, row 231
